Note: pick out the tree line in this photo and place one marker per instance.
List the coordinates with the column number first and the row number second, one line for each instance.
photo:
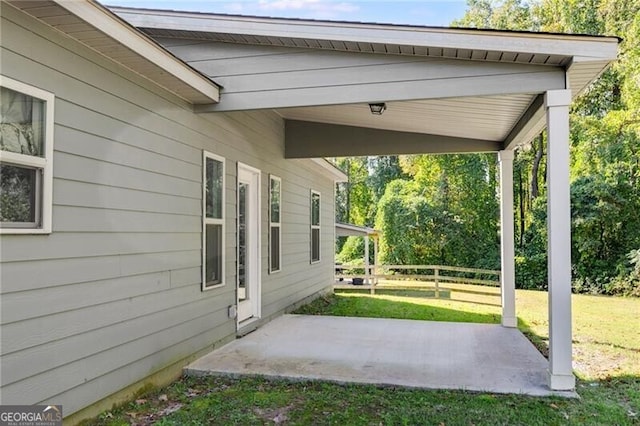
column 443, row 209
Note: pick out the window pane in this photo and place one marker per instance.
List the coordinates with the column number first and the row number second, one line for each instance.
column 275, row 200
column 213, row 269
column 315, row 245
column 214, row 189
column 21, row 123
column 275, row 248
column 17, row 193
column 315, row 209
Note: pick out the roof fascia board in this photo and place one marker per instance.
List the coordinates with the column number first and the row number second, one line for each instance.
column 551, row 44
column 306, row 139
column 106, row 22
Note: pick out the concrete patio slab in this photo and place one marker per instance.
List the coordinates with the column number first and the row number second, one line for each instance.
column 417, row 354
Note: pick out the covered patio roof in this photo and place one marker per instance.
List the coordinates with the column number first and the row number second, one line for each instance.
column 347, row 229
column 446, row 89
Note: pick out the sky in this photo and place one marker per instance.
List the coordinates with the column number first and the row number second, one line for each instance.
column 416, row 12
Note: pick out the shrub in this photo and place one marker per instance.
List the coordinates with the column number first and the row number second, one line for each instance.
column 531, row 272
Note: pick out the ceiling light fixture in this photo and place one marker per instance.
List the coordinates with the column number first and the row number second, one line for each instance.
column 377, row 109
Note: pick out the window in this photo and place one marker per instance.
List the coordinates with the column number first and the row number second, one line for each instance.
column 26, row 158
column 315, row 226
column 212, row 221
column 275, row 201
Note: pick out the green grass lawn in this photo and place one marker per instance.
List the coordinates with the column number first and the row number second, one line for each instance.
column 606, row 358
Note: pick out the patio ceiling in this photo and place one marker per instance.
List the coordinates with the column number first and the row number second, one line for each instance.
column 484, row 117
column 446, row 89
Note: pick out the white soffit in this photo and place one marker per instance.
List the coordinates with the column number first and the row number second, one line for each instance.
column 483, row 117
column 96, row 27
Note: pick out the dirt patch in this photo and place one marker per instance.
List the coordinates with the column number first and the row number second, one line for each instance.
column 595, row 364
column 276, row 415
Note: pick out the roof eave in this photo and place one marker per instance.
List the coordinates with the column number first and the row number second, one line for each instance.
column 328, row 169
column 175, row 75
column 596, row 47
column 119, row 30
column 348, row 229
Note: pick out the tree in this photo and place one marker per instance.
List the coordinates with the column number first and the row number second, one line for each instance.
column 605, row 138
column 504, row 15
column 354, row 198
column 449, row 201
column 383, row 169
column 429, row 207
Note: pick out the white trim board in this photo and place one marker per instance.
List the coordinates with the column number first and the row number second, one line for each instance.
column 455, row 38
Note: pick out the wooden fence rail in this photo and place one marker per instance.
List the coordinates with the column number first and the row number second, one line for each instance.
column 372, row 273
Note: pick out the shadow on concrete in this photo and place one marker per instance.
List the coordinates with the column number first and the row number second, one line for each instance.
column 540, row 342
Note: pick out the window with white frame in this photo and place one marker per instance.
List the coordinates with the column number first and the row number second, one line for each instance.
column 315, row 226
column 26, row 158
column 275, row 222
column 213, row 178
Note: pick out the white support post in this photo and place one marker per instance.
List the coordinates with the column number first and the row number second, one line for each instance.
column 508, row 274
column 560, row 374
column 375, row 259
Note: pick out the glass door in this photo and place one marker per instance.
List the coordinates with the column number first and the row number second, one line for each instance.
column 248, row 243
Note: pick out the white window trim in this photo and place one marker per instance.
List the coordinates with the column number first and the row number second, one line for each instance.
column 45, row 164
column 275, row 224
column 312, row 227
column 211, row 221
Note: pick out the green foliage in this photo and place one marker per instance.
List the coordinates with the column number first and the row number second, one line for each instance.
column 603, row 226
column 368, row 177
column 531, row 271
column 503, row 14
column 429, row 208
column 605, row 143
column 627, row 284
column 570, row 16
column 432, row 218
column 605, row 139
column 354, row 199
column 353, row 250
column 384, row 169
column 400, row 214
